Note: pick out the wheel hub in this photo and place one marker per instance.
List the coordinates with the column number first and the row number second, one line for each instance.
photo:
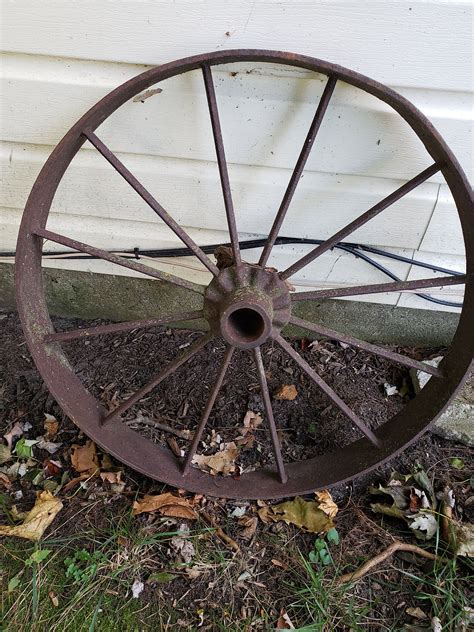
column 247, row 305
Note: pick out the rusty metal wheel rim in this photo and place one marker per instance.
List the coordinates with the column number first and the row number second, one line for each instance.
column 158, row 462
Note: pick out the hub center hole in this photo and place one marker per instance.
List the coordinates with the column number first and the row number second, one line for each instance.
column 246, row 324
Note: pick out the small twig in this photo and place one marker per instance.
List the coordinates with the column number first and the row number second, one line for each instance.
column 446, row 516
column 86, row 477
column 228, row 541
column 146, row 421
column 388, row 552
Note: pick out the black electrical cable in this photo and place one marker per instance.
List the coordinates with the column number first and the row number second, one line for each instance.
column 420, row 264
column 393, row 276
column 353, row 248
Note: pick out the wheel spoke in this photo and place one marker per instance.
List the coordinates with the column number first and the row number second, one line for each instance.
column 311, row 373
column 168, row 370
column 269, row 413
column 120, row 261
column 366, row 346
column 398, row 286
column 361, row 220
column 150, row 200
column 207, row 410
column 222, row 163
column 87, row 332
column 298, row 170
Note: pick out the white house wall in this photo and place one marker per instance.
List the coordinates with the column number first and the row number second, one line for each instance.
column 61, row 57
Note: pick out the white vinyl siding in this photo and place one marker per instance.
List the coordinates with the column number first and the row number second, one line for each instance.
column 60, row 57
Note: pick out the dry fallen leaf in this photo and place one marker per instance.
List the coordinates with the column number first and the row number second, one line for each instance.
column 284, row 621
column 16, row 431
column 249, row 524
column 415, row 501
column 417, row 613
column 251, row 422
column 174, row 446
column 18, row 515
column 264, row 513
column 436, row 625
column 167, row 504
column 222, row 462
column 37, row 520
column 224, row 257
column 54, row 598
column 246, row 437
column 48, row 446
column 326, row 503
column 5, row 481
column 75, row 481
column 5, row 454
column 114, row 479
column 280, row 564
column 137, row 588
column 184, row 548
column 84, row 458
column 16, row 470
column 304, row 514
column 111, row 477
column 194, row 572
column 463, row 538
column 51, row 425
column 238, row 512
column 181, row 545
column 397, row 500
column 219, row 532
column 287, row 392
column 52, row 468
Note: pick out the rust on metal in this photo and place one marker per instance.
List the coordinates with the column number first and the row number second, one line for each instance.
column 247, row 308
column 99, row 330
column 379, row 288
column 299, row 167
column 334, row 397
column 137, row 186
column 163, row 374
column 222, row 163
column 245, row 304
column 207, row 410
column 257, row 354
column 361, row 220
column 398, row 358
column 120, row 261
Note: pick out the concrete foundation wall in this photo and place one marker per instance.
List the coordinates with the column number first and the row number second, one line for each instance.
column 89, row 296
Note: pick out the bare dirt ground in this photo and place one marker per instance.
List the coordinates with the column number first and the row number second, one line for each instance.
column 272, row 579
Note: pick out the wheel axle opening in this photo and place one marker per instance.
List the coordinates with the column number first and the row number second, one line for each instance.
column 246, row 325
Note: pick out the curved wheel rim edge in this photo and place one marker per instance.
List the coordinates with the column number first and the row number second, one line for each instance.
column 53, row 364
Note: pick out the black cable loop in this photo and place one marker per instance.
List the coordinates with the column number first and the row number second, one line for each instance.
column 353, row 248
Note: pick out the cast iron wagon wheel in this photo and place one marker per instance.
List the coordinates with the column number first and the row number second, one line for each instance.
column 244, row 304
